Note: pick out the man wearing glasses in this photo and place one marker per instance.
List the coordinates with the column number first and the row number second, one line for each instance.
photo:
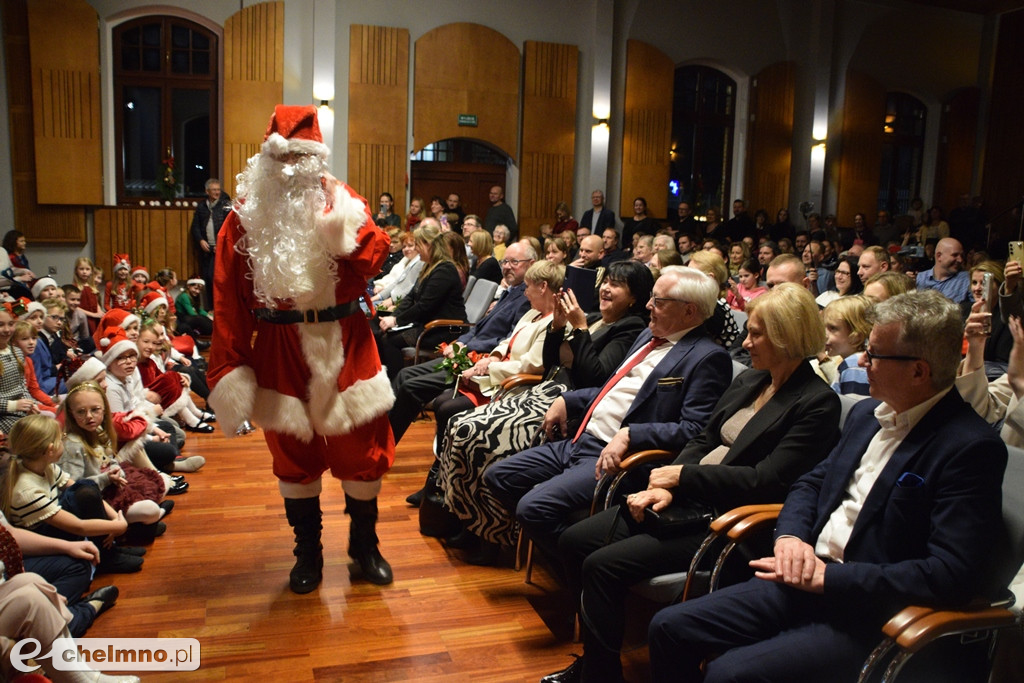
column 660, row 396
column 905, row 510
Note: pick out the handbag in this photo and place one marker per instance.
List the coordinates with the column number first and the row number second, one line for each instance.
column 677, row 519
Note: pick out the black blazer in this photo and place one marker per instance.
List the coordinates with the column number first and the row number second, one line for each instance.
column 787, row 437
column 606, row 219
column 595, row 356
column 439, row 295
column 220, row 211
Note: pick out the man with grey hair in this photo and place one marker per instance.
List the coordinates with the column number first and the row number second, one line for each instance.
column 905, row 510
column 660, row 396
column 206, row 221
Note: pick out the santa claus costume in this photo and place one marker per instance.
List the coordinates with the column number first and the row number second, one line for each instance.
column 294, row 258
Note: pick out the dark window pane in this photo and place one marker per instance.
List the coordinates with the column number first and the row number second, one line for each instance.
column 200, row 63
column 151, row 35
column 200, row 41
column 191, row 124
column 131, row 36
column 130, row 58
column 151, row 59
column 179, row 62
column 140, row 141
column 179, row 37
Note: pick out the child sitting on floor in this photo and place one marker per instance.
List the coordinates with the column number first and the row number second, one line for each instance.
column 171, row 386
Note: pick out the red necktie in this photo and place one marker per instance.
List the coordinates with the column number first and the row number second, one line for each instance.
column 610, row 384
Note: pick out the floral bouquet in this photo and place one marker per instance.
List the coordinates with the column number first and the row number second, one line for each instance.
column 462, row 359
column 167, row 177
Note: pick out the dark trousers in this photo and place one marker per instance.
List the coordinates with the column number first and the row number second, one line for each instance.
column 71, row 577
column 544, row 485
column 763, row 631
column 207, row 259
column 603, row 556
column 414, row 387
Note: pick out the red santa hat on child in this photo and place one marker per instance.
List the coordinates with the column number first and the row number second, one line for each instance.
column 112, row 343
column 24, row 308
column 122, row 262
column 153, row 301
column 115, row 317
column 80, row 369
column 140, row 270
column 294, row 128
column 195, row 280
column 41, row 283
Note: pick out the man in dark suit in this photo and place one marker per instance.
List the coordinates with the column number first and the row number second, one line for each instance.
column 599, row 217
column 661, row 396
column 206, row 221
column 906, row 509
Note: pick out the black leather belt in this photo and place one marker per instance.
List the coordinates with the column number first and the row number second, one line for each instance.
column 323, row 315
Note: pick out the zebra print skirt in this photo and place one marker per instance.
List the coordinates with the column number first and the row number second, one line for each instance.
column 479, row 437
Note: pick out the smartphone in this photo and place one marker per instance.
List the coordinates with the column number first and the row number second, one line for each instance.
column 1016, row 251
column 986, row 283
column 444, row 220
column 382, row 208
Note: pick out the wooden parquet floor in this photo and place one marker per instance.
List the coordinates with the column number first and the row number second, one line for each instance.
column 220, row 575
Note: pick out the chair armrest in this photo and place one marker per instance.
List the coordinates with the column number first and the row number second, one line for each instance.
column 608, row 484
column 950, row 622
column 724, row 521
column 445, row 322
column 645, row 457
column 520, row 380
column 751, row 524
column 904, row 618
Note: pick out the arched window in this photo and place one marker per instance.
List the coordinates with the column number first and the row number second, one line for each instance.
column 902, row 147
column 165, row 103
column 703, row 119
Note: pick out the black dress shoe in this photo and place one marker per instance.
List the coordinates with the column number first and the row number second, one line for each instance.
column 486, row 555
column 464, row 540
column 202, row 345
column 106, row 596
column 112, row 561
column 136, row 550
column 571, row 674
column 178, row 488
column 177, row 477
column 167, row 506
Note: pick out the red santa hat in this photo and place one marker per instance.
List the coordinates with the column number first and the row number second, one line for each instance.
column 140, row 270
column 42, row 283
column 294, row 129
column 27, row 308
column 196, row 280
column 115, row 317
column 153, row 301
column 122, row 262
column 80, row 369
column 114, row 342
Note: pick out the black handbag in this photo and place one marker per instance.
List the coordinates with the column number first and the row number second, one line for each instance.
column 677, row 519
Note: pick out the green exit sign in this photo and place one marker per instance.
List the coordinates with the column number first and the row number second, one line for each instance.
column 467, row 120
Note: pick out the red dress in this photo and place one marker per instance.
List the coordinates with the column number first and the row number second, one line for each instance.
column 90, row 302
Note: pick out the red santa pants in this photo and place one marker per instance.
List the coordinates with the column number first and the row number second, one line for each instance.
column 364, row 454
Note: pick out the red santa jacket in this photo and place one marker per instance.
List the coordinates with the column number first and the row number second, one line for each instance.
column 306, row 378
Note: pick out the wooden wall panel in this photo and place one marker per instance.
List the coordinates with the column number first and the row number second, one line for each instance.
column 467, row 69
column 861, row 163
column 1003, row 171
column 155, row 238
column 958, row 131
column 549, row 132
column 770, row 149
column 41, row 223
column 647, row 128
column 253, row 82
column 65, row 48
column 378, row 112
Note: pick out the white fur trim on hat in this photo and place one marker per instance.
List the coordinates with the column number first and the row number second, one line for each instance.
column 128, row 320
column 195, row 281
column 111, row 354
column 90, row 368
column 140, row 269
column 278, row 146
column 121, row 265
column 155, row 304
column 31, row 308
column 41, row 283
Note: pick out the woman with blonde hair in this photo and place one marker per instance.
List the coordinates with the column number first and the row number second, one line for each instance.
column 415, row 215
column 846, row 336
column 437, row 294
column 482, row 246
column 721, row 325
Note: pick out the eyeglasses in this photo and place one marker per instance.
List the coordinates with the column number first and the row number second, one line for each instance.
column 877, row 356
column 127, row 359
column 514, row 261
column 844, row 273
column 58, row 318
column 660, row 301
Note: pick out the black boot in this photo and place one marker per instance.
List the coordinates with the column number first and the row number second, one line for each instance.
column 416, row 499
column 362, row 541
column 305, row 518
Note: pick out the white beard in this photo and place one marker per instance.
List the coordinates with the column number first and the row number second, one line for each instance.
column 280, row 209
